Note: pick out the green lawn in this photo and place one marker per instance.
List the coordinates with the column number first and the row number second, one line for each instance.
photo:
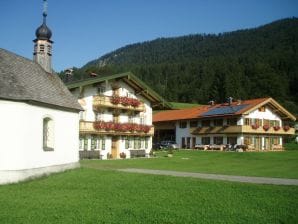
column 268, row 164
column 103, row 196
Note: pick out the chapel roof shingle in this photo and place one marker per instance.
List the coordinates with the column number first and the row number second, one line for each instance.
column 24, row 80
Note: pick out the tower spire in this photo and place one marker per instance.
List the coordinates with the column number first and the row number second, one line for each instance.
column 43, row 43
column 45, row 11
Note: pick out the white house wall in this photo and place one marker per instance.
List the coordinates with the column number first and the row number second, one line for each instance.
column 21, row 135
column 267, row 114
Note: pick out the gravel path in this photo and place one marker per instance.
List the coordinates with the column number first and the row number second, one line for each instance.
column 244, row 179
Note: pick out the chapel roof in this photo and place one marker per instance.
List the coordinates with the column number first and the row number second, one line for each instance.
column 24, row 80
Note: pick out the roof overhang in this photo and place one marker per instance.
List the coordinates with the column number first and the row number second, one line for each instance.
column 276, row 107
column 142, row 89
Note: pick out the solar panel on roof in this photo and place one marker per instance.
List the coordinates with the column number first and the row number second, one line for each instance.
column 225, row 110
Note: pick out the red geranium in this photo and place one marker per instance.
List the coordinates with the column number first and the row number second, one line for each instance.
column 266, row 127
column 99, row 125
column 115, row 99
column 135, row 102
column 255, row 126
column 286, row 127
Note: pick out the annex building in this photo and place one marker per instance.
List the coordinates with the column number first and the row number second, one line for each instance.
column 257, row 124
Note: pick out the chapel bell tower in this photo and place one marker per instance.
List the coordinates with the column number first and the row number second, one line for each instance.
column 43, row 44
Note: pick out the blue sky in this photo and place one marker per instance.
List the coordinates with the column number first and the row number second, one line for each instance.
column 87, row 29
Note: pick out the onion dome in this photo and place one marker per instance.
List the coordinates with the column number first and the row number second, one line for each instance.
column 43, row 32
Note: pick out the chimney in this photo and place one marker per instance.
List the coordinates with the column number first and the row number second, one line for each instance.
column 239, row 102
column 211, row 102
column 230, row 100
column 68, row 74
column 93, row 74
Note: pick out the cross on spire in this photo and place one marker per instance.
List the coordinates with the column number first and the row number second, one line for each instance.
column 45, row 9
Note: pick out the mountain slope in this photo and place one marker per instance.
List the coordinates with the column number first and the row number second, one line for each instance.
column 243, row 64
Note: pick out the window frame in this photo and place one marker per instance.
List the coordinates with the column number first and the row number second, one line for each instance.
column 48, row 139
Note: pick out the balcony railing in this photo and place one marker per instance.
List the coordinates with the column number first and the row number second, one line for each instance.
column 87, row 127
column 242, row 129
column 110, row 102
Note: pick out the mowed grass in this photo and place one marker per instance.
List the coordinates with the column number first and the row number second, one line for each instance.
column 267, row 164
column 103, row 196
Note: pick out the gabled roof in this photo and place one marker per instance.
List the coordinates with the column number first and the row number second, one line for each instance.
column 221, row 110
column 138, row 85
column 24, row 80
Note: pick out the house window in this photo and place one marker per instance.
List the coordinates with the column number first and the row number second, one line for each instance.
column 205, row 140
column 98, row 116
column 232, row 140
column 85, row 143
column 143, row 143
column 218, row 122
column 137, row 143
column 126, row 142
column 48, row 134
column 101, row 90
column 274, row 123
column 248, row 140
column 205, row 123
column 81, row 142
column 142, row 119
column 218, row 140
column 82, row 115
column 252, row 121
column 130, row 119
column 262, row 109
column 146, row 142
column 93, row 142
column 101, row 142
column 193, row 124
column 49, row 49
column 232, row 121
column 182, row 124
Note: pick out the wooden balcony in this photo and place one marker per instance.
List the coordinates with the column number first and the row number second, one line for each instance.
column 270, row 131
column 240, row 129
column 105, row 101
column 86, row 127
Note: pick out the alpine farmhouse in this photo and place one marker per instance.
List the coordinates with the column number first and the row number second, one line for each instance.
column 117, row 117
column 39, row 116
column 256, row 125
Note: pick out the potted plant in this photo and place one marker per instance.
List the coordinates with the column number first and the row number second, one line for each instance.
column 122, row 155
column 276, row 128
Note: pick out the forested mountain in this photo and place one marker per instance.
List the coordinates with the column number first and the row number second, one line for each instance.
column 243, row 64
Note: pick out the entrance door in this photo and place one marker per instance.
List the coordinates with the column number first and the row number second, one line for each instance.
column 193, row 142
column 258, row 143
column 188, row 143
column 115, row 147
column 183, row 143
column 267, row 143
